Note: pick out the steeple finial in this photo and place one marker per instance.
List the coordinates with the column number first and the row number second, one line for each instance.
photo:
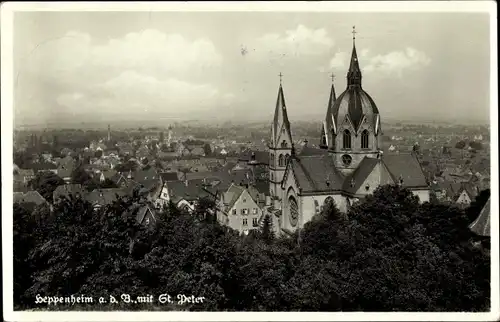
column 354, row 73
column 280, row 75
column 332, row 76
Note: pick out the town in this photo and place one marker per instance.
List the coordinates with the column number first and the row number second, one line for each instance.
column 180, row 164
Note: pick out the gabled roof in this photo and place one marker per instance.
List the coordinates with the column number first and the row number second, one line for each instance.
column 316, row 173
column 104, row 197
column 481, row 226
column 29, row 197
column 67, row 189
column 169, row 176
column 407, row 167
column 193, row 190
column 353, row 182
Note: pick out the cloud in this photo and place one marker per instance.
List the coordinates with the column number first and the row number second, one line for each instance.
column 301, row 41
column 132, row 93
column 393, row 63
column 143, row 70
column 339, row 60
column 397, row 62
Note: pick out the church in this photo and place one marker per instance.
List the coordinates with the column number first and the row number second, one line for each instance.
column 348, row 165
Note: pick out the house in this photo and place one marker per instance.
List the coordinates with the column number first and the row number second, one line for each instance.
column 30, row 198
column 241, row 208
column 103, row 197
column 481, row 226
column 44, row 167
column 145, row 214
column 466, row 194
column 126, row 149
column 107, row 174
column 184, row 194
column 67, row 191
column 169, row 176
column 23, row 176
column 67, row 152
column 197, row 150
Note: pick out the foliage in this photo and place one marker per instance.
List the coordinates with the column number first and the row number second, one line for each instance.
column 477, row 205
column 476, row 145
column 460, row 145
column 46, row 183
column 388, row 253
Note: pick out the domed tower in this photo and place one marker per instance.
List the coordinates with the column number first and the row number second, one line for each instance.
column 355, row 119
column 280, row 147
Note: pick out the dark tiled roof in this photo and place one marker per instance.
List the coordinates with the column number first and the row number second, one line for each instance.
column 67, row 189
column 169, row 176
column 310, row 151
column 316, row 173
column 193, row 190
column 29, row 197
column 481, row 226
column 353, row 182
column 407, row 167
column 104, row 197
column 261, row 157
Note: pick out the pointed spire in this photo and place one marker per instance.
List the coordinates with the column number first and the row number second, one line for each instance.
column 333, row 96
column 354, row 73
column 280, row 115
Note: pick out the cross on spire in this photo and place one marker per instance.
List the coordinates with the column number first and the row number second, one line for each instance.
column 332, row 76
column 280, row 75
column 354, row 32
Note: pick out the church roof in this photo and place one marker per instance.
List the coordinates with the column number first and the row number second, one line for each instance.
column 280, row 118
column 353, row 182
column 310, row 151
column 316, row 173
column 481, row 226
column 406, row 167
column 354, row 102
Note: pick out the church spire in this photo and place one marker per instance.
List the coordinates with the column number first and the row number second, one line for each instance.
column 280, row 123
column 354, row 73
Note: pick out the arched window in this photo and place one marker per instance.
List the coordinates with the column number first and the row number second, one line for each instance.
column 280, row 160
column 287, row 157
column 284, row 144
column 316, row 207
column 272, row 157
column 323, row 140
column 272, row 176
column 364, row 139
column 294, row 211
column 347, row 139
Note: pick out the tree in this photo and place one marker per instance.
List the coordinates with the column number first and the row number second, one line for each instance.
column 476, row 145
column 477, row 205
column 207, row 149
column 80, row 176
column 98, row 153
column 108, row 183
column 46, row 183
column 460, row 145
column 267, row 229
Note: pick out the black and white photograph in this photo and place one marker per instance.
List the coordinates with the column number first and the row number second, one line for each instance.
column 250, row 161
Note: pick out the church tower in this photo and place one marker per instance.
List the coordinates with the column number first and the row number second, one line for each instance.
column 109, row 132
column 280, row 147
column 327, row 126
column 355, row 132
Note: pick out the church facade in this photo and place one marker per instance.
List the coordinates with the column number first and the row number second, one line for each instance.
column 347, row 166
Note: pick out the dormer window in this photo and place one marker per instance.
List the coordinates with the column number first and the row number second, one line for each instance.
column 367, row 187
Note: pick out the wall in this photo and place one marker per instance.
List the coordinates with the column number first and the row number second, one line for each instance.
column 379, row 176
column 235, row 221
column 309, row 209
column 463, row 198
column 423, row 195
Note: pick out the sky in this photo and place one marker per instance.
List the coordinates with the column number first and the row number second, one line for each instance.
column 89, row 66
